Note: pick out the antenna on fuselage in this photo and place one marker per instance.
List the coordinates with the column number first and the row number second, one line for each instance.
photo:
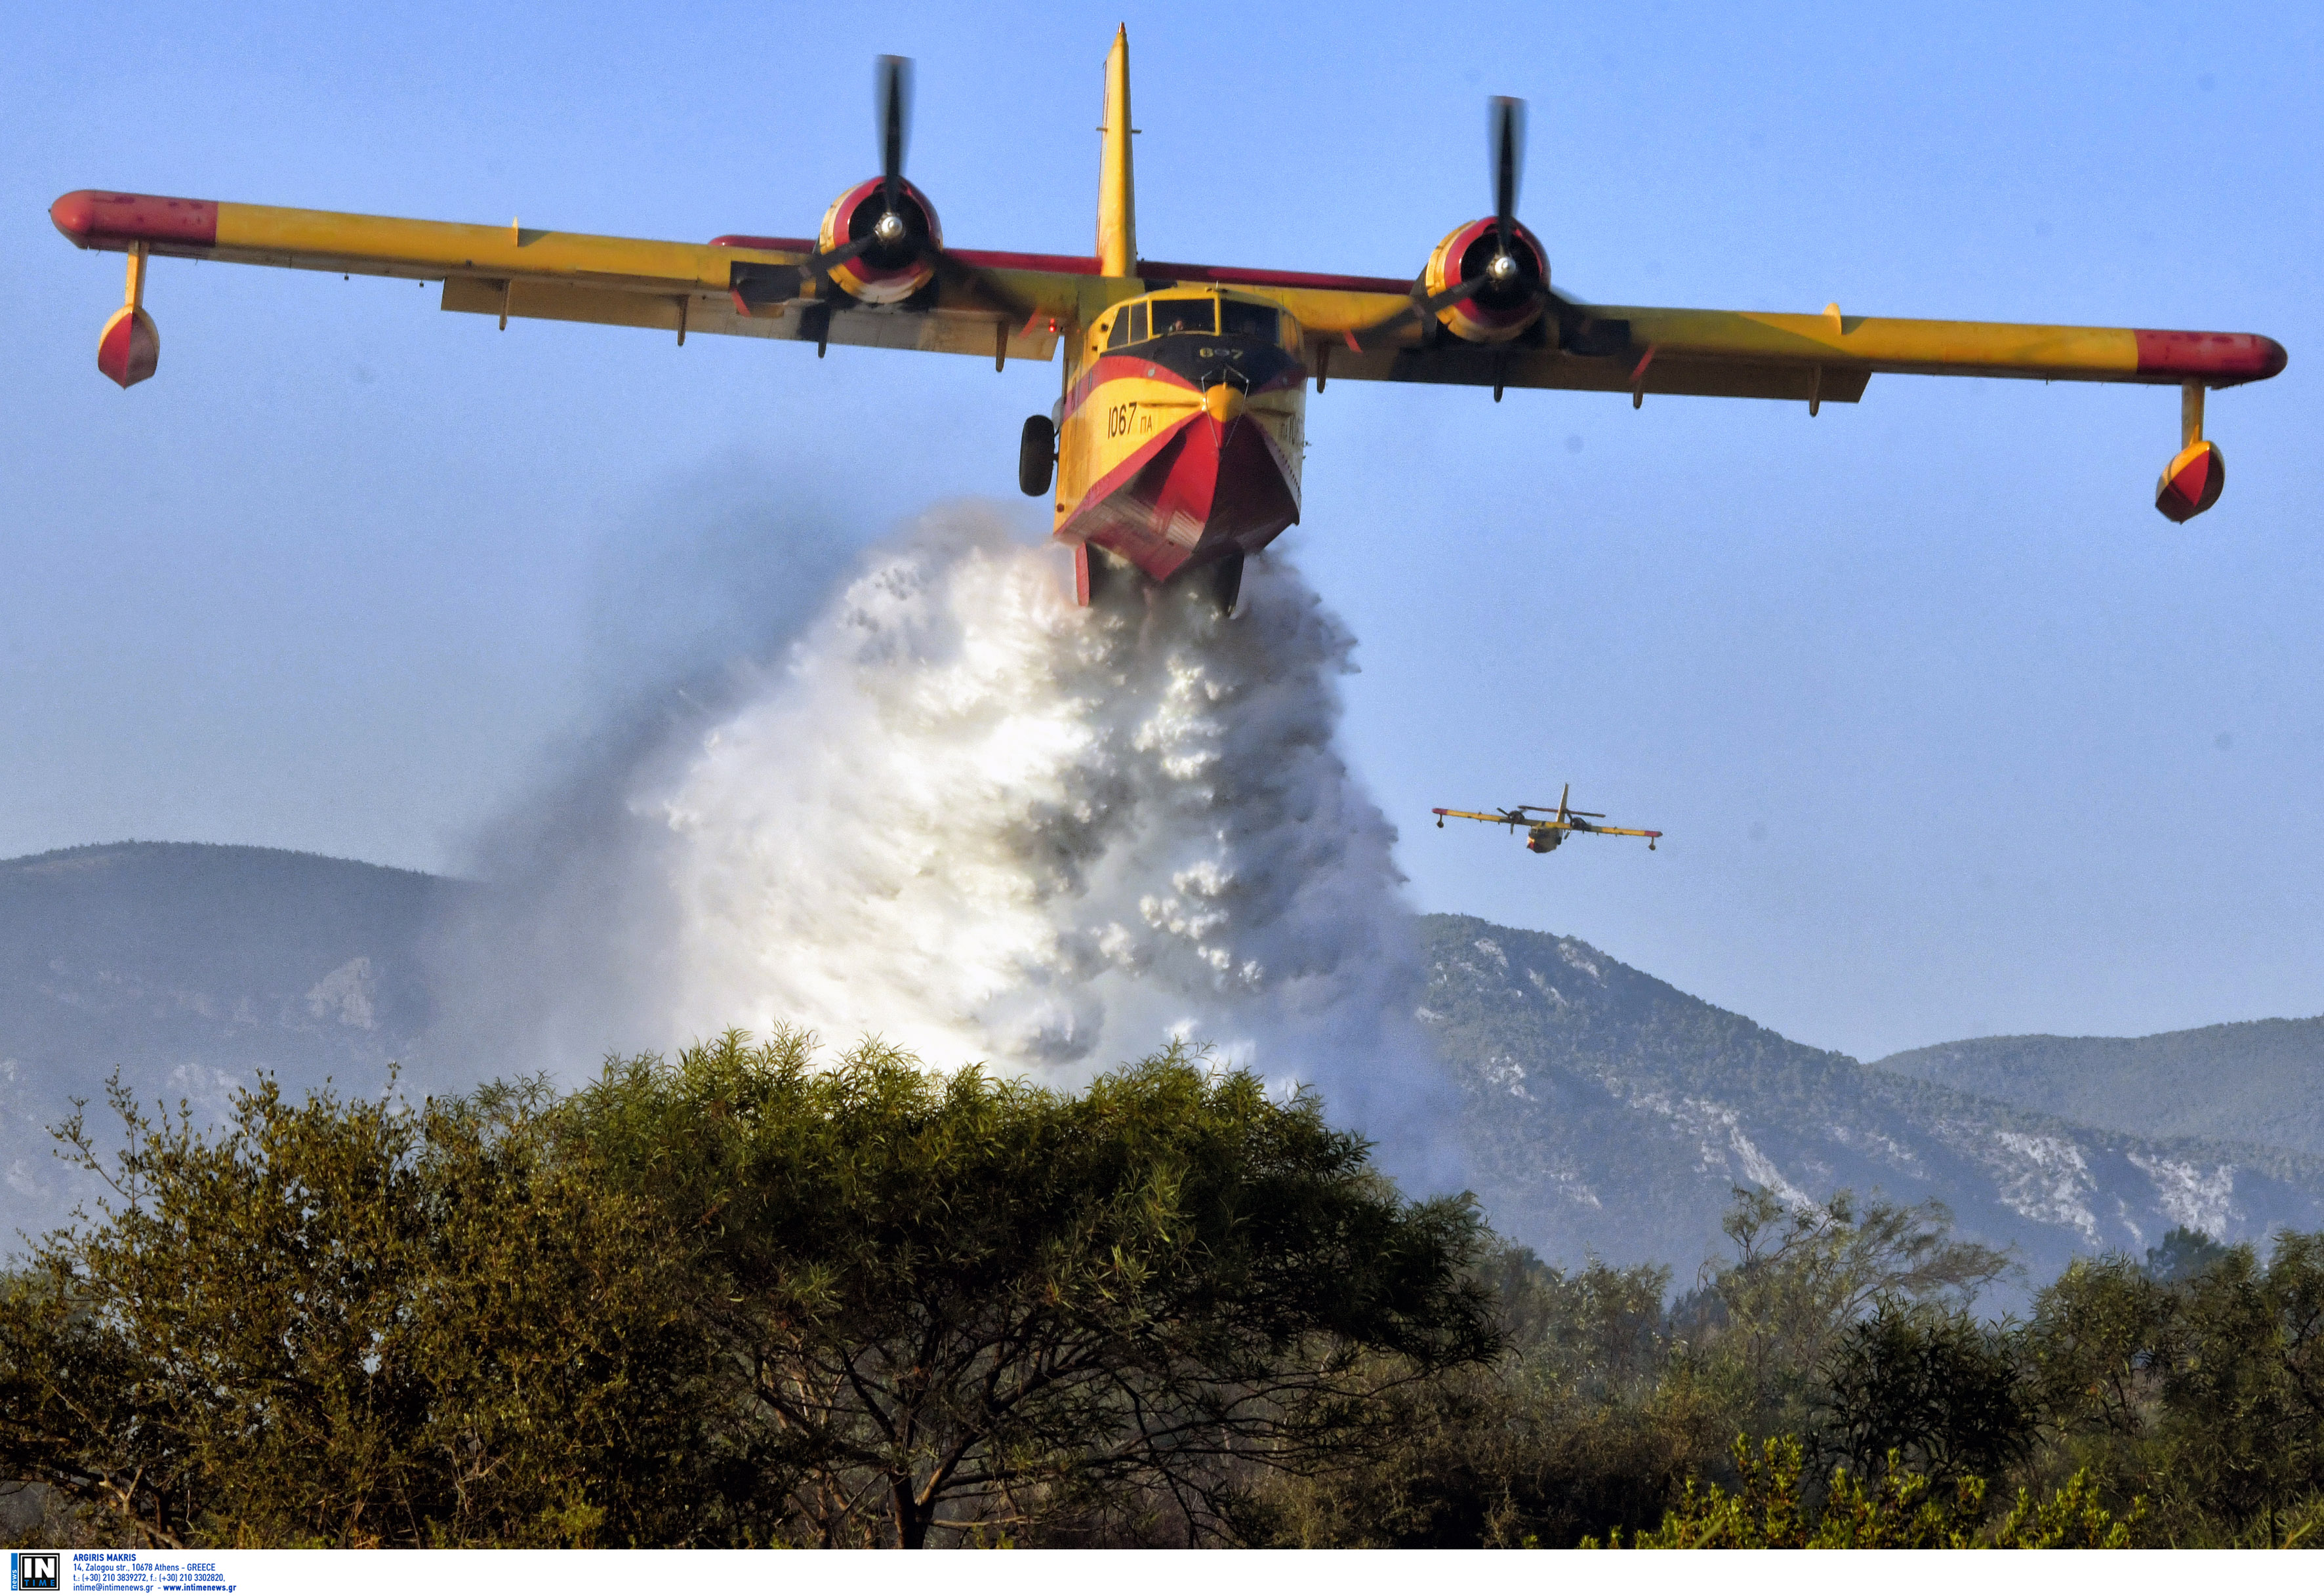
column 1117, row 205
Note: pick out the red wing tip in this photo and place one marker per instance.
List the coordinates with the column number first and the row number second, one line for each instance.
column 101, row 218
column 73, row 214
column 2217, row 359
column 1440, row 811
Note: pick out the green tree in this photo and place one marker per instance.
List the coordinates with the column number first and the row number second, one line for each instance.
column 2095, row 1343
column 1583, row 1424
column 2201, row 1388
column 1936, row 1387
column 965, row 1306
column 357, row 1324
column 2243, row 1380
column 1897, row 1508
column 2184, row 1253
column 1760, row 1326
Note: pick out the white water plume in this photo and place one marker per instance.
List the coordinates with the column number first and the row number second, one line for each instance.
column 962, row 815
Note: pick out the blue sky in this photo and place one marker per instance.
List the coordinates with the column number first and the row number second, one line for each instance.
column 1952, row 734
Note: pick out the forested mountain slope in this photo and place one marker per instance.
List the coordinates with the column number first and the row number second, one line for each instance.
column 1612, row 1113
column 1607, row 1112
column 189, row 966
column 2259, row 1080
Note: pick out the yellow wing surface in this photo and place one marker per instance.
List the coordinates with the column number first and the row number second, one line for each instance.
column 1016, row 305
column 1007, row 305
column 1472, row 814
column 1546, row 823
column 1362, row 329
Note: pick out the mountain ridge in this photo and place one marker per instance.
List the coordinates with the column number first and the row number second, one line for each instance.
column 2255, row 1080
column 1564, row 1051
column 1605, row 1112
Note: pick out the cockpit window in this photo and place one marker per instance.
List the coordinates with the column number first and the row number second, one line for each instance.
column 1249, row 321
column 1120, row 335
column 1136, row 321
column 1185, row 316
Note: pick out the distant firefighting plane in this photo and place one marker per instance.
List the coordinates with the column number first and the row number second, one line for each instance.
column 1544, row 830
column 1177, row 441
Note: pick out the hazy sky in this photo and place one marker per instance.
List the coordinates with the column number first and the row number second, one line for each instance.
column 1950, row 732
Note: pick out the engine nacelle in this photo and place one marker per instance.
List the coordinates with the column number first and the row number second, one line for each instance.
column 886, row 273
column 1493, row 315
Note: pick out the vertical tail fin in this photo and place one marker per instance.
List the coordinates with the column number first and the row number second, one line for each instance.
column 1117, row 205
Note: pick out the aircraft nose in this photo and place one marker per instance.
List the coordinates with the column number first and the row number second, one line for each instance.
column 1224, row 403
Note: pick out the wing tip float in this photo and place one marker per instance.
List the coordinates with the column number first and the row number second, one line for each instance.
column 1480, row 313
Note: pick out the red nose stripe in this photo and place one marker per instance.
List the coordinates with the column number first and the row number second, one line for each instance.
column 95, row 219
column 2212, row 357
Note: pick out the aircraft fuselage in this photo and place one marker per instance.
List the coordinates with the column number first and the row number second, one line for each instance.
column 1180, row 434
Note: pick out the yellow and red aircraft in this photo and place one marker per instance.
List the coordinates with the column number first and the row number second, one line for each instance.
column 1542, row 834
column 1177, row 442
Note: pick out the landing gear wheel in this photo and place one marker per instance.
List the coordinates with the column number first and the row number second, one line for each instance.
column 1037, row 452
column 1226, row 582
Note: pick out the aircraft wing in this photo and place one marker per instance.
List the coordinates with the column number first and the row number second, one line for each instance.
column 993, row 305
column 1487, row 820
column 1547, row 822
column 1002, row 304
column 1360, row 328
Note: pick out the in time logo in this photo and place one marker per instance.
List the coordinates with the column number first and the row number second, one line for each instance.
column 35, row 1570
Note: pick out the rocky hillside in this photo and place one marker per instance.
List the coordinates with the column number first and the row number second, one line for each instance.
column 2260, row 1081
column 188, row 967
column 1612, row 1114
column 1608, row 1111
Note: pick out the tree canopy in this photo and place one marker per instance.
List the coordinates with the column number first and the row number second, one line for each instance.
column 739, row 1297
column 752, row 1296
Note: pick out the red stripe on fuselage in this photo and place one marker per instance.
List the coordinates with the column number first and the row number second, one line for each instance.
column 1113, row 481
column 1107, row 368
column 1219, row 486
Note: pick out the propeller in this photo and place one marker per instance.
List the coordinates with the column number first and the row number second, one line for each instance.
column 891, row 91
column 1507, row 275
column 895, row 236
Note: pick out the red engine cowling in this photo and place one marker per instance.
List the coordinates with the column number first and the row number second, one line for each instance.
column 1492, row 315
column 884, row 275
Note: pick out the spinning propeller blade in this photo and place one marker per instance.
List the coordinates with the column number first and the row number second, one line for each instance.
column 1506, row 125
column 893, row 85
column 892, row 94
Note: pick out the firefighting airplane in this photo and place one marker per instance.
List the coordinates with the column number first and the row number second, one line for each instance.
column 1178, row 439
column 1544, row 834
